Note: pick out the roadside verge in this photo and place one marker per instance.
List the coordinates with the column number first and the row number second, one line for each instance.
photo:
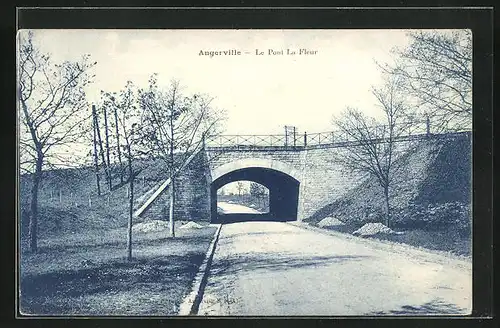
column 418, row 252
column 192, row 301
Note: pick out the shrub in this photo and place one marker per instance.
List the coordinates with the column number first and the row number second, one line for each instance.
column 434, row 216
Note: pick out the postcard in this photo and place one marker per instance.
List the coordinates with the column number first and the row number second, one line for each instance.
column 244, row 172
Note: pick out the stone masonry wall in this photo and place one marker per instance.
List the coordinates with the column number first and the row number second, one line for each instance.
column 293, row 158
column 321, row 178
column 324, row 180
column 192, row 195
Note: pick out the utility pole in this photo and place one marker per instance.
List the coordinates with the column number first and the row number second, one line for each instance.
column 286, row 135
column 96, row 159
column 106, row 135
column 290, row 130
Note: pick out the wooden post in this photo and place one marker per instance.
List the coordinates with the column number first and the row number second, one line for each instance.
column 60, row 196
column 96, row 158
column 106, row 135
column 305, row 139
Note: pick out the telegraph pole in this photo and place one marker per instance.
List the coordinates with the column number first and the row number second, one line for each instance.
column 290, row 130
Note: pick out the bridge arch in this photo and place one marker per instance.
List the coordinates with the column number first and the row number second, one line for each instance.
column 243, row 163
column 281, row 179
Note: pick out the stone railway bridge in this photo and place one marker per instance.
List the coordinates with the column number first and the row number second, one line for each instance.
column 302, row 175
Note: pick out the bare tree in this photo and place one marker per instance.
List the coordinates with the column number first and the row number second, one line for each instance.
column 96, row 115
column 118, row 148
column 221, row 191
column 174, row 127
column 436, row 69
column 260, row 192
column 52, row 102
column 110, row 105
column 239, row 187
column 128, row 121
column 373, row 147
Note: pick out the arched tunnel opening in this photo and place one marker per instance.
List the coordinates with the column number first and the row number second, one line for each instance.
column 243, row 196
column 283, row 192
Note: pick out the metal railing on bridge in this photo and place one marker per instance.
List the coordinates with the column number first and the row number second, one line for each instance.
column 405, row 130
column 273, row 140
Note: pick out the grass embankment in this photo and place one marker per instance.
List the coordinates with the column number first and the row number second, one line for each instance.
column 88, row 274
column 430, row 199
column 68, row 200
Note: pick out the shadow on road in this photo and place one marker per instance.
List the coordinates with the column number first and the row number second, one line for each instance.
column 250, row 262
column 434, row 307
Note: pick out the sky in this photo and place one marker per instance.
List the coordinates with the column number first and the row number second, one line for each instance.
column 259, row 93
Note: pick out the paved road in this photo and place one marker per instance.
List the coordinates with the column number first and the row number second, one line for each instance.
column 273, row 268
column 236, row 208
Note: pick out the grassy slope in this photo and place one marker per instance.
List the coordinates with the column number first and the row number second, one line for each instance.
column 81, row 266
column 436, row 173
column 72, row 212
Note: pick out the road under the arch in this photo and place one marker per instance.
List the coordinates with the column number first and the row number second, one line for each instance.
column 283, row 195
column 236, row 208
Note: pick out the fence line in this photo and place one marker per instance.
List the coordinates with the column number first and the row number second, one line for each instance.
column 379, row 132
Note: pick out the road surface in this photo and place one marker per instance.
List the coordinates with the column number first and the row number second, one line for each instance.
column 236, row 208
column 273, row 268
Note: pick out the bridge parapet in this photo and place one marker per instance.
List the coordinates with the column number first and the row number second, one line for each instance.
column 297, row 142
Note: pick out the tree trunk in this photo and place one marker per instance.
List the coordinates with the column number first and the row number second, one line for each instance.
column 387, row 208
column 119, row 151
column 131, row 210
column 33, row 227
